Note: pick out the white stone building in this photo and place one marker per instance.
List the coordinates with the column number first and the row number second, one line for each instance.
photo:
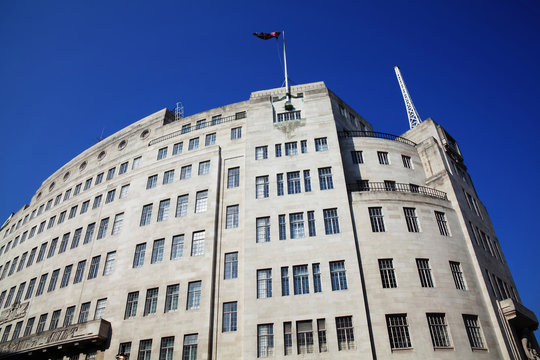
column 273, row 227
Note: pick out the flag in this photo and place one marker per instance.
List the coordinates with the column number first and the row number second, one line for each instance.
column 266, row 36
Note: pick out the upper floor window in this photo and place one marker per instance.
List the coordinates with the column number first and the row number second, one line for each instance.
column 87, row 184
column 325, row 178
column 383, row 157
column 441, row 222
column 177, row 148
column 303, row 146
column 261, row 187
column 201, row 124
column 138, row 258
column 376, row 218
column 136, row 163
column 185, row 172
column 264, row 283
column 233, row 177
column 291, row 148
column 236, row 133
column 168, row 177
column 411, row 219
column 210, row 139
column 406, row 161
column 99, row 179
column 293, row 182
column 338, row 276
column 146, row 215
column 231, row 266
column 162, row 153
column 193, row 144
column 278, row 150
column 331, row 222
column 388, row 275
column 261, row 152
column 321, row 144
column 110, row 173
column 232, row 217
column 398, row 331
column 204, row 167
column 201, row 201
column 123, row 168
column 472, row 326
column 357, row 157
column 424, row 271
column 287, row 116
column 186, row 128
column 151, row 182
column 216, row 119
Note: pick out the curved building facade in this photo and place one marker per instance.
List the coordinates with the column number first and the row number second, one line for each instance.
column 277, row 227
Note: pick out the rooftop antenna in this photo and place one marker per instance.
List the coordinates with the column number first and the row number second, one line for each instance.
column 178, row 111
column 414, row 118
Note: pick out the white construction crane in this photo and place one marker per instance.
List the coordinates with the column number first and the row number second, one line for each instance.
column 414, row 118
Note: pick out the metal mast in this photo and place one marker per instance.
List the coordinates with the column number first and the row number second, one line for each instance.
column 414, row 118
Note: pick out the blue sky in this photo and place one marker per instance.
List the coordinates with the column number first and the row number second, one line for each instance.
column 72, row 70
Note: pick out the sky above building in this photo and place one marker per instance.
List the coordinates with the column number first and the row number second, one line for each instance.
column 72, row 72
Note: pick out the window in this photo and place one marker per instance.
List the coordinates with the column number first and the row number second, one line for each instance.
column 265, row 340
column 186, row 128
column 193, row 144
column 338, row 276
column 317, row 278
column 102, row 231
column 345, row 333
column 52, row 249
column 216, row 119
column 125, row 348
column 424, row 272
column 182, row 205
column 474, row 332
column 441, row 222
column 236, row 133
column 233, row 177
column 204, row 167
column 278, row 150
column 79, row 272
column 168, row 177
column 285, row 281
column 136, row 163
column 287, row 116
column 50, row 225
column 21, row 263
column 84, row 312
column 388, row 276
column 263, row 229
column 10, row 297
column 117, row 224
column 357, row 157
column 439, row 330
column 109, row 263
column 296, row 223
column 185, row 172
column 311, row 223
column 287, row 337
column 304, row 337
column 261, row 152
column 101, row 305
column 171, row 298
column 177, row 247
column 331, row 223
column 56, row 202
column 87, row 237
column 163, row 211
column 264, row 283
column 41, row 323
column 55, row 318
column 151, row 182
column 383, row 157
column 138, row 258
column 189, row 351
column 411, row 219
column 232, row 217
column 406, row 161
column 97, row 202
column 124, row 191
column 162, row 153
column 150, row 305
column 325, row 178
column 307, row 181
column 29, row 326
column 210, row 139
column 201, row 201
column 293, row 182
column 77, row 191
column 131, row 305
column 321, row 144
column 31, row 257
column 70, row 314
column 291, row 148
column 166, row 348
column 41, row 253
column 197, row 243
column 194, row 295
column 84, row 206
column 146, row 215
column 157, row 251
column 99, row 179
column 229, row 317
column 110, row 173
column 398, row 331
column 262, row 187
column 145, row 350
column 177, row 148
column 231, row 266
column 279, row 182
column 123, row 168
column 66, row 276
column 457, row 274
column 376, row 218
column 72, row 213
column 94, row 266
column 300, row 279
column 282, row 228
column 303, row 146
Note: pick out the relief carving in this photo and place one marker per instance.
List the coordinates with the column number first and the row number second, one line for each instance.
column 16, row 311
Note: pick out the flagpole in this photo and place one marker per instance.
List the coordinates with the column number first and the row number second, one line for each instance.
column 285, row 61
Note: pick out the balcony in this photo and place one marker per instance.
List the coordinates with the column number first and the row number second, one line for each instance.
column 374, row 134
column 397, row 187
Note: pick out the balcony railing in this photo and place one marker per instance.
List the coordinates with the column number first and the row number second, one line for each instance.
column 374, row 134
column 398, row 187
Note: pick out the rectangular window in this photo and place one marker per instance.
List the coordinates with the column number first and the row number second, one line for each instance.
column 162, row 153
column 163, row 210
column 177, row 247
column 264, row 283
column 52, row 249
column 398, row 331
column 72, row 213
column 424, row 272
column 261, row 152
column 229, row 317
column 56, row 202
column 231, row 266
column 293, row 182
column 110, row 173
column 94, row 267
column 151, row 182
column 287, row 338
column 50, row 225
column 146, row 214
column 291, row 148
column 383, row 157
column 303, row 146
column 204, row 167
column 186, row 128
column 136, row 163
column 84, row 206
column 123, row 168
column 285, row 281
column 331, row 222
column 232, row 217
column 287, row 116
column 117, row 224
column 233, row 177
column 300, row 279
column 189, row 350
column 338, row 276
column 194, row 295
column 325, row 178
column 317, row 278
column 76, row 238
column 210, row 139
column 278, row 150
column 168, row 177
column 41, row 253
column 99, row 179
column 474, row 332
column 193, row 144
column 197, row 243
column 109, row 263
column 216, row 119
column 97, row 202
column 357, row 157
column 41, row 323
column 84, row 312
column 21, row 263
column 131, row 305
column 70, row 314
column 307, row 181
column 79, row 272
column 177, row 148
column 441, row 222
column 150, row 305
column 102, row 231
column 182, row 205
column 185, row 172
column 101, row 305
column 279, row 183
column 296, row 223
column 321, row 331
column 406, row 161
column 388, row 276
column 87, row 184
column 138, row 258
column 171, row 298
column 304, row 337
column 282, row 228
column 236, row 133
column 376, row 218
column 439, row 330
column 261, row 187
column 166, row 348
column 265, row 340
column 77, row 190
column 201, row 201
column 124, row 191
column 311, row 223
column 157, row 251
column 321, row 144
column 30, row 289
column 345, row 333
column 411, row 219
column 457, row 274
column 145, row 350
column 88, row 236
column 263, row 229
column 66, row 276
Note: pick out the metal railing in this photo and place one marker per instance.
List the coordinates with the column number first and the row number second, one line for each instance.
column 374, row 134
column 398, row 187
